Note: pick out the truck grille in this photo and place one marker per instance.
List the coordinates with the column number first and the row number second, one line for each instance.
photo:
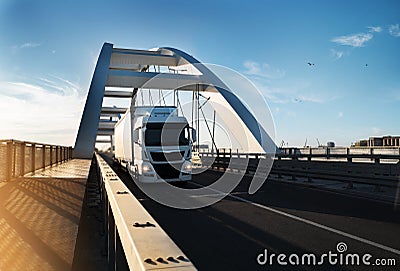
column 167, row 156
column 167, row 171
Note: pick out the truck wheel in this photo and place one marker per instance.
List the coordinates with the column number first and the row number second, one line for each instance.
column 136, row 174
column 182, row 183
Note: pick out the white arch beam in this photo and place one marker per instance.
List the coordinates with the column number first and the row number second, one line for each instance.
column 128, row 60
column 152, row 80
column 127, row 68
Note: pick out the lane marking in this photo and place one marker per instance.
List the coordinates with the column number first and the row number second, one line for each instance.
column 309, row 222
column 325, row 188
column 216, row 194
column 208, row 195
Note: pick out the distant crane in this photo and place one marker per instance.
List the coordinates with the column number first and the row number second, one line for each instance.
column 319, row 145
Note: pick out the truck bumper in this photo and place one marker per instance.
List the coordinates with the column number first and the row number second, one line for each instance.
column 154, row 179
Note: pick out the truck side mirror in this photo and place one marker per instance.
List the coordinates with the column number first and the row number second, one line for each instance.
column 135, row 136
column 194, row 135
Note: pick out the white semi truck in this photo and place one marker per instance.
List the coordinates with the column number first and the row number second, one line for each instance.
column 154, row 144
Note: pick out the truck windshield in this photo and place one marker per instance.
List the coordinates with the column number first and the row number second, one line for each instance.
column 166, row 134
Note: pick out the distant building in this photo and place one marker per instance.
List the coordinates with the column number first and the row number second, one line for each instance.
column 384, row 141
column 362, row 143
column 330, row 144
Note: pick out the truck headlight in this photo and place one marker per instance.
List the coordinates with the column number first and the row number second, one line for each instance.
column 146, row 168
column 187, row 167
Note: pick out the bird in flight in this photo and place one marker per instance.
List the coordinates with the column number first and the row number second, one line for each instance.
column 310, row 64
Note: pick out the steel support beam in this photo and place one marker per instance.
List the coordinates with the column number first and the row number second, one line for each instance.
column 136, row 60
column 103, row 141
column 105, row 132
column 118, row 94
column 85, row 140
column 106, row 125
column 113, row 110
column 152, row 80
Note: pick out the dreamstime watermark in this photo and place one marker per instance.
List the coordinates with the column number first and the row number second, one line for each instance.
column 338, row 257
column 238, row 103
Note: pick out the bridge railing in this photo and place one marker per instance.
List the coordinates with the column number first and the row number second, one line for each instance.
column 357, row 154
column 337, row 165
column 384, row 155
column 133, row 239
column 18, row 158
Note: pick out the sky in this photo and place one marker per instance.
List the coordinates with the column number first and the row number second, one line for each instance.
column 350, row 90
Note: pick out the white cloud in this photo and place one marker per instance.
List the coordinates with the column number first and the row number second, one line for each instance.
column 336, row 54
column 47, row 112
column 291, row 114
column 354, row 40
column 29, row 45
column 295, row 94
column 376, row 131
column 374, row 29
column 310, row 98
column 273, row 94
column 262, row 70
column 394, row 30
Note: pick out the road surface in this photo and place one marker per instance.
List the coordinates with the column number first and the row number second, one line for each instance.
column 278, row 219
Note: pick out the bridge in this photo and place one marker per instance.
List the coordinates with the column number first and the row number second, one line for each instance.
column 66, row 208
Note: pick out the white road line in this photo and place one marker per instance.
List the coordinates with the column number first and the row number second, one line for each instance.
column 309, row 222
column 208, row 195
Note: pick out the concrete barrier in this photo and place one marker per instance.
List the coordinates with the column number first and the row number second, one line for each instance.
column 131, row 233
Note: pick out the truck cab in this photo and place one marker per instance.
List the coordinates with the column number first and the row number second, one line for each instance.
column 161, row 145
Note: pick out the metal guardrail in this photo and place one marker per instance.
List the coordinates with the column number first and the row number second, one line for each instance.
column 290, row 164
column 18, row 158
column 355, row 154
column 133, row 238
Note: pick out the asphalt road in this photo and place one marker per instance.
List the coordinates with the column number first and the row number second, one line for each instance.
column 279, row 218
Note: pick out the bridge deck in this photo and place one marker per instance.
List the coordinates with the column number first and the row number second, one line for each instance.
column 282, row 218
column 39, row 217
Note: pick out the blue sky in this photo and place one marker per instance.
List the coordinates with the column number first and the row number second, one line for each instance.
column 48, row 50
